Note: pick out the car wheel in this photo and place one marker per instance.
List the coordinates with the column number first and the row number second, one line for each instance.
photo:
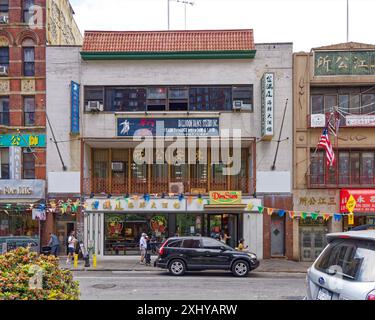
column 240, row 268
column 177, row 267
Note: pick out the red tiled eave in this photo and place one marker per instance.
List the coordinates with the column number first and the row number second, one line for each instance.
column 168, row 41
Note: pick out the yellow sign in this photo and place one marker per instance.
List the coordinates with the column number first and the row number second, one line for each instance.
column 350, row 205
column 226, row 197
column 351, row 219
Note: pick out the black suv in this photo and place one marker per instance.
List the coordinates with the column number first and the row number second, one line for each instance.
column 182, row 254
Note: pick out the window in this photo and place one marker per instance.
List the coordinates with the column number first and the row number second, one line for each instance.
column 244, row 94
column 210, row 99
column 29, row 111
column 29, row 61
column 94, row 94
column 4, row 60
column 4, row 6
column 174, row 244
column 212, row 243
column 28, row 165
column 4, row 159
column 27, row 12
column 178, row 99
column 191, row 243
column 355, row 258
column 156, row 99
column 4, row 111
column 352, row 168
column 121, row 99
column 189, row 224
column 317, row 104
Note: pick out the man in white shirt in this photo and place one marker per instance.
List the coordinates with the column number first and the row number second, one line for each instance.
column 143, row 247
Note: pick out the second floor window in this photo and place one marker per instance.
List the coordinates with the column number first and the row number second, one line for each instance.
column 29, row 111
column 4, row 111
column 28, row 165
column 4, row 162
column 27, row 12
column 29, row 61
column 4, row 60
column 4, row 7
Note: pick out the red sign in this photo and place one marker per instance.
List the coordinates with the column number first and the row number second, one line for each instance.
column 365, row 200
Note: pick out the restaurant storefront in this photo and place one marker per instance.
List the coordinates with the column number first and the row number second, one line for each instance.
column 113, row 227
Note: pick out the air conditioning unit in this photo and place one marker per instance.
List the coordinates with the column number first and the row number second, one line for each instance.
column 117, row 166
column 3, row 71
column 4, row 19
column 237, row 105
column 94, row 106
column 176, row 187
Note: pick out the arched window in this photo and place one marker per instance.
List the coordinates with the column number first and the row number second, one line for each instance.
column 28, row 47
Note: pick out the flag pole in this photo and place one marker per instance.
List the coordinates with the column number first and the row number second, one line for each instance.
column 347, row 20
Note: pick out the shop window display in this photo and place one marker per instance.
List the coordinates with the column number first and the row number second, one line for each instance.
column 18, row 224
column 189, row 224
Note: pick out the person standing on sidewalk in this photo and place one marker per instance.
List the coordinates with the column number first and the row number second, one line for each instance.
column 143, row 247
column 54, row 244
column 72, row 241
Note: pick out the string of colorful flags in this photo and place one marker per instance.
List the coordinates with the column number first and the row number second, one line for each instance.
column 73, row 206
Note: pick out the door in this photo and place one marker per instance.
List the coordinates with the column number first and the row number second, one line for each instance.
column 193, row 252
column 312, row 242
column 277, row 236
column 214, row 256
column 63, row 231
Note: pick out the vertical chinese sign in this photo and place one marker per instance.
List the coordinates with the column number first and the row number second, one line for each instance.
column 75, row 89
column 267, row 125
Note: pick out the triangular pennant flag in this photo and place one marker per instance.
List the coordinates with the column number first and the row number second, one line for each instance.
column 281, row 213
column 314, row 216
column 326, row 216
column 260, row 209
column 304, row 215
column 291, row 214
column 269, row 211
column 337, row 216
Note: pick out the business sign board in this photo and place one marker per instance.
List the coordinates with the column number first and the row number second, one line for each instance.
column 344, row 63
column 225, row 197
column 15, row 162
column 359, row 200
column 22, row 189
column 23, row 140
column 360, row 120
column 267, row 125
column 164, row 127
column 74, row 126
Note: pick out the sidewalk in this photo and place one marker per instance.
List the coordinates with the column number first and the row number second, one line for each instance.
column 131, row 263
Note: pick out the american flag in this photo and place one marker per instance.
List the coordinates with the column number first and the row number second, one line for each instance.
column 325, row 143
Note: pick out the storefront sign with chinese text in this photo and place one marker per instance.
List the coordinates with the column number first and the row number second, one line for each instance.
column 225, row 197
column 364, row 200
column 267, row 125
column 74, row 127
column 164, row 127
column 350, row 205
column 23, row 140
column 15, row 162
column 344, row 63
column 360, row 121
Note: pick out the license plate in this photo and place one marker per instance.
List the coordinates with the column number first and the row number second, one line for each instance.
column 324, row 294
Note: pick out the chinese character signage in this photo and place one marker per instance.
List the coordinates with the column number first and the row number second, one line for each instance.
column 344, row 63
column 74, row 128
column 225, row 197
column 364, row 200
column 267, row 106
column 15, row 159
column 158, row 127
column 360, row 120
column 23, row 140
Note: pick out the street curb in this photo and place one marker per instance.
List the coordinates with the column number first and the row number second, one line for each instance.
column 149, row 270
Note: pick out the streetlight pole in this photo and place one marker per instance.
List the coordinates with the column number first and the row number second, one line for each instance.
column 168, row 13
column 185, row 2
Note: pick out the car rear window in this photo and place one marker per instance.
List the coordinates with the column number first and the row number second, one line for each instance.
column 352, row 259
column 174, row 244
column 191, row 243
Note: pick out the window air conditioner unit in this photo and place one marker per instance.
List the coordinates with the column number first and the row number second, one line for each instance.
column 176, row 187
column 94, row 106
column 4, row 19
column 3, row 71
column 237, row 105
column 117, row 166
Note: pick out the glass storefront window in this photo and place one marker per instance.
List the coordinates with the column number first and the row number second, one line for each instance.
column 123, row 231
column 189, row 224
column 18, row 224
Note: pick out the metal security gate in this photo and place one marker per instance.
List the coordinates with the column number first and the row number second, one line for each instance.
column 277, row 236
column 312, row 242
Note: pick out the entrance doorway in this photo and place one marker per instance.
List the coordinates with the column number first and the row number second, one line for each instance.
column 218, row 224
column 312, row 242
column 64, row 228
column 277, row 236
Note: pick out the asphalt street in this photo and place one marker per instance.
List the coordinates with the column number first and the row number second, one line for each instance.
column 158, row 285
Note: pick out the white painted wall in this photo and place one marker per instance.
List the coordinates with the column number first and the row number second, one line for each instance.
column 253, row 233
column 64, row 182
column 274, row 182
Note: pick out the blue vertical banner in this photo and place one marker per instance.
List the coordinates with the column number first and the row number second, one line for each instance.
column 75, row 89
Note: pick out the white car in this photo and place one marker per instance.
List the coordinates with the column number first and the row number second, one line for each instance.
column 345, row 270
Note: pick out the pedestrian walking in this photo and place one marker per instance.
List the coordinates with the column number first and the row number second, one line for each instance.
column 72, row 241
column 148, row 251
column 224, row 237
column 143, row 247
column 54, row 244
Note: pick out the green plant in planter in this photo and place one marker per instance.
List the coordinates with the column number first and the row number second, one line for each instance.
column 26, row 276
